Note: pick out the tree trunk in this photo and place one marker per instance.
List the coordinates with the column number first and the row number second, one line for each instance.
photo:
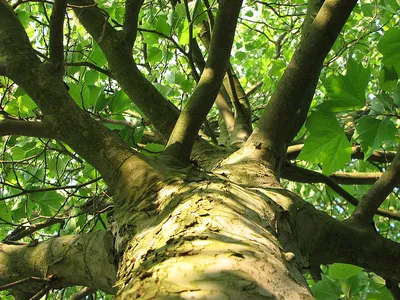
column 205, row 238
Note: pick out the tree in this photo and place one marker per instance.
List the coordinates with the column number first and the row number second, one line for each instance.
column 119, row 174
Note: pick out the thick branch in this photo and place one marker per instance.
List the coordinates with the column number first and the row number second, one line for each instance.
column 132, row 8
column 336, row 241
column 196, row 110
column 299, row 78
column 85, row 260
column 370, row 202
column 25, row 128
column 161, row 113
column 90, row 139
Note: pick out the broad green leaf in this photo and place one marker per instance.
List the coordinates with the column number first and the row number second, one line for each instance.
column 120, row 102
column 386, row 101
column 26, row 106
column 388, row 78
column 277, row 68
column 154, row 54
column 164, row 90
column 101, row 102
column 49, row 202
column 18, row 153
column 373, row 133
column 90, row 94
column 150, row 38
column 75, row 92
column 343, row 271
column 91, row 77
column 389, row 46
column 97, row 56
column 152, row 149
column 138, row 135
column 327, row 143
column 396, row 94
column 12, row 108
column 5, row 212
column 162, row 25
column 347, row 92
column 325, row 290
column 183, row 35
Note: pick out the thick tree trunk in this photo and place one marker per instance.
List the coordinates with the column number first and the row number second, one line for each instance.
column 205, row 238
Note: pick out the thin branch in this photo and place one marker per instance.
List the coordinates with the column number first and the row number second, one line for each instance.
column 295, row 173
column 185, row 131
column 371, row 200
column 251, row 90
column 24, row 231
column 57, row 188
column 89, row 65
column 56, row 35
column 22, row 281
column 356, row 153
column 132, row 8
column 83, row 293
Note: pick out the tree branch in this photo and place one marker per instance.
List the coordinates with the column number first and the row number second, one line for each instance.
column 56, row 35
column 356, row 153
column 25, row 231
column 66, row 261
column 296, row 84
column 185, row 131
column 132, row 8
column 104, row 150
column 337, row 241
column 295, row 173
column 161, row 113
column 371, row 200
column 89, row 65
column 25, row 128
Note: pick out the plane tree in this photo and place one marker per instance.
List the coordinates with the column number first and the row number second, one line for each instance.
column 199, row 150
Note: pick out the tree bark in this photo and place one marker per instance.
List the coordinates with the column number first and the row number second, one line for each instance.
column 206, row 238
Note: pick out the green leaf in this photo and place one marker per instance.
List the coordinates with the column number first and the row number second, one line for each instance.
column 373, row 133
column 91, row 77
column 343, row 271
column 154, row 54
column 388, row 78
column 325, row 290
column 49, row 202
column 162, row 25
column 18, row 153
column 5, row 213
column 102, row 102
column 153, row 149
column 150, row 38
column 347, row 92
column 120, row 102
column 277, row 68
column 327, row 143
column 90, row 94
column 389, row 46
column 386, row 101
column 183, row 35
column 97, row 56
column 396, row 95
